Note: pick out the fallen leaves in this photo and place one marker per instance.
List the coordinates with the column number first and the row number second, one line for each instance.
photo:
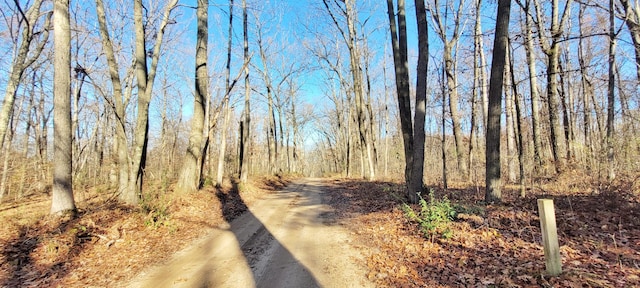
column 497, row 246
column 108, row 243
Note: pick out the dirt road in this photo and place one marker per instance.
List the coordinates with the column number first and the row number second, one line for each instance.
column 284, row 240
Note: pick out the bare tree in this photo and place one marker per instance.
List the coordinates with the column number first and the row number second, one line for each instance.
column 23, row 60
column 62, row 195
column 190, row 178
column 272, row 133
column 519, row 120
column 479, row 86
column 225, row 101
column 496, row 82
column 132, row 165
column 550, row 45
column 417, row 172
column 245, row 124
column 586, row 83
column 510, row 120
column 449, row 45
column 350, row 39
column 480, row 63
column 399, row 44
column 611, row 93
column 533, row 82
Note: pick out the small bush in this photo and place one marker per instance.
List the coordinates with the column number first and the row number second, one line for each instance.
column 434, row 216
column 157, row 210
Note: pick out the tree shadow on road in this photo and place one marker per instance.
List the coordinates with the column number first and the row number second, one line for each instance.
column 264, row 254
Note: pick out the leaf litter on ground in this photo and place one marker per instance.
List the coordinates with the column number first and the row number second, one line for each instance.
column 108, row 242
column 497, row 245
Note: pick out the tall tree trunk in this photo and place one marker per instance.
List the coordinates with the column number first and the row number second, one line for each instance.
column 449, row 42
column 190, row 175
column 225, row 102
column 294, row 126
column 551, row 49
column 611, row 94
column 500, row 46
column 246, row 121
column 557, row 139
column 519, row 133
column 120, row 144
column 510, row 122
column 401, row 66
column 452, row 91
column 373, row 157
column 386, row 115
column 417, row 172
column 272, row 135
column 587, row 89
column 443, row 139
column 356, row 73
column 145, row 76
column 533, row 84
column 566, row 102
column 62, row 196
column 479, row 87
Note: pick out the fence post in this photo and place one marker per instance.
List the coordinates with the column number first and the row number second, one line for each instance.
column 553, row 261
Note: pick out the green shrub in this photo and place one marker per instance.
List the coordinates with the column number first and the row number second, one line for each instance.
column 157, row 210
column 434, row 216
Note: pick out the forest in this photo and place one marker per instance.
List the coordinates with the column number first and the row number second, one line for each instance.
column 137, row 127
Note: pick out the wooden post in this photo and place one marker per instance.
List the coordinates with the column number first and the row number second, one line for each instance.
column 552, row 257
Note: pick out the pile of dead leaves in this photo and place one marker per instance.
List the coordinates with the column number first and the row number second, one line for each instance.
column 497, row 245
column 108, row 242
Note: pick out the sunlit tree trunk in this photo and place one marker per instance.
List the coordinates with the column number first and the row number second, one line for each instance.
column 295, row 129
column 272, row 135
column 356, row 73
column 145, row 76
column 6, row 149
column 62, row 196
column 120, row 143
column 245, row 125
column 551, row 47
column 480, row 63
column 350, row 39
column 225, row 102
column 190, row 175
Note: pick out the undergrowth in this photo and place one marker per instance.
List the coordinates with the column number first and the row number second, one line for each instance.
column 157, row 209
column 433, row 217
